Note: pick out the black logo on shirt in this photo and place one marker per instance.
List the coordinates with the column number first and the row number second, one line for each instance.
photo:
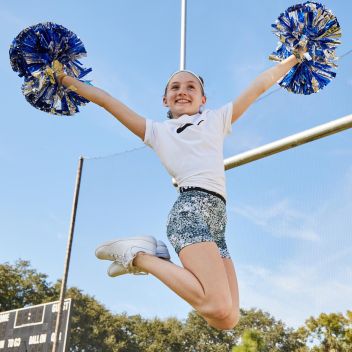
column 182, row 128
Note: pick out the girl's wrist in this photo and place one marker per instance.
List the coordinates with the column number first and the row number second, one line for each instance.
column 298, row 56
column 60, row 77
column 59, row 72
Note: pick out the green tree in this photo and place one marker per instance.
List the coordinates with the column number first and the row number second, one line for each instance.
column 20, row 285
column 154, row 335
column 252, row 341
column 199, row 336
column 332, row 331
column 277, row 337
column 95, row 329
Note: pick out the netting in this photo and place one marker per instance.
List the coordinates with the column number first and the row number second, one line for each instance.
column 289, row 228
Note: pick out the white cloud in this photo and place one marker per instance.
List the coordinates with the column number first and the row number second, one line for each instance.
column 314, row 279
column 111, row 80
column 296, row 291
column 276, row 216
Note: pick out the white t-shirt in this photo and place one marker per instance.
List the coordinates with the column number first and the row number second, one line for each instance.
column 191, row 147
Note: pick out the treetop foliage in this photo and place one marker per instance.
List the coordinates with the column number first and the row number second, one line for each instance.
column 95, row 329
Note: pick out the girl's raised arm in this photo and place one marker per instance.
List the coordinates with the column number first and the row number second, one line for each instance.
column 261, row 84
column 125, row 115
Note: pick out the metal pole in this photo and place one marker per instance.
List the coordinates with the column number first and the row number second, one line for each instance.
column 183, row 34
column 68, row 255
column 289, row 142
column 295, row 140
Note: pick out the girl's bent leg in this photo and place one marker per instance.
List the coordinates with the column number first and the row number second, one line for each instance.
column 203, row 282
column 234, row 317
column 232, row 279
column 177, row 278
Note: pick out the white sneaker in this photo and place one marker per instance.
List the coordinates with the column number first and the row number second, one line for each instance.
column 117, row 269
column 124, row 250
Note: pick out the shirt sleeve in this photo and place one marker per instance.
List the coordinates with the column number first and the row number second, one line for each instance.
column 225, row 114
column 149, row 137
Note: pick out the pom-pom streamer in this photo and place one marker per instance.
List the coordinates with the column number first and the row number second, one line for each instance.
column 313, row 28
column 32, row 54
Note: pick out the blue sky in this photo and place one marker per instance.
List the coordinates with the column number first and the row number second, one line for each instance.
column 289, row 229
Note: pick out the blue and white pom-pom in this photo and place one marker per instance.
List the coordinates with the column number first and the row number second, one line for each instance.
column 32, row 54
column 312, row 27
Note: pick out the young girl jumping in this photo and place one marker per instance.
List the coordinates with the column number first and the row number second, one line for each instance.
column 190, row 146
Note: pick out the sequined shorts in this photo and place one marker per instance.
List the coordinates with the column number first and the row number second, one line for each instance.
column 197, row 217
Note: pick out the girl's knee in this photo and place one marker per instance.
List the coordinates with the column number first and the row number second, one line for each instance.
column 221, row 314
column 228, row 323
column 235, row 319
column 218, row 310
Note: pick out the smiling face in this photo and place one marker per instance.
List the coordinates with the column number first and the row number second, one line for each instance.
column 184, row 95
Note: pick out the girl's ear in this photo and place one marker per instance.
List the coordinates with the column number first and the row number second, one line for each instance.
column 204, row 99
column 165, row 101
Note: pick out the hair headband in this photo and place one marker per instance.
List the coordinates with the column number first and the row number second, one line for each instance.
column 192, row 73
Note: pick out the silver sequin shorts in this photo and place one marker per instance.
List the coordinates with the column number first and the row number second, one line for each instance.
column 197, row 217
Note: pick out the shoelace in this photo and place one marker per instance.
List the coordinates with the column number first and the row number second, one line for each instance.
column 123, row 260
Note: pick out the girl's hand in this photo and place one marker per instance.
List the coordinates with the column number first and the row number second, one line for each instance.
column 58, row 69
column 301, row 51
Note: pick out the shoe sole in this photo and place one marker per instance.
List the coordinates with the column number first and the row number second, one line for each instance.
column 117, row 270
